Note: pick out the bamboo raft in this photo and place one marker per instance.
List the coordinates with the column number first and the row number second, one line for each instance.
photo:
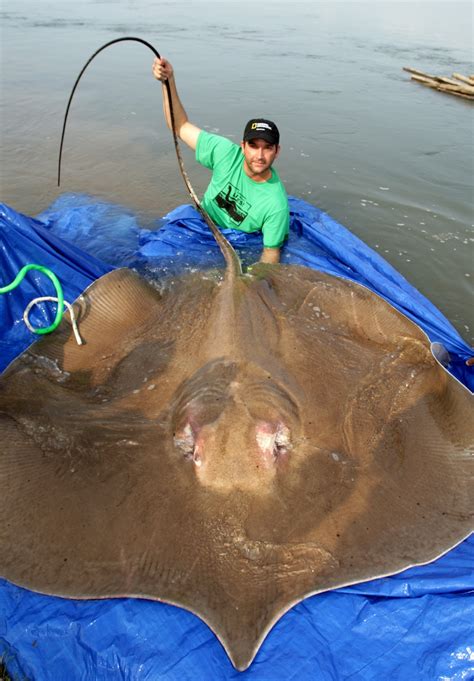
column 458, row 85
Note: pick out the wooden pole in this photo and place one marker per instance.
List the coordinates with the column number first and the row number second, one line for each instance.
column 461, row 87
column 465, row 79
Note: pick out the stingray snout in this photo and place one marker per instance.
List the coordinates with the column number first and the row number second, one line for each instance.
column 235, row 450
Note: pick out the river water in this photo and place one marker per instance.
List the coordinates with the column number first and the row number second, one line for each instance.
column 388, row 158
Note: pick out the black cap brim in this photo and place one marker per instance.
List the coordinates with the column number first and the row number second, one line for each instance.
column 261, row 135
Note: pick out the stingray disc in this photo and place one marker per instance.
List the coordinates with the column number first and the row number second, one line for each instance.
column 230, row 445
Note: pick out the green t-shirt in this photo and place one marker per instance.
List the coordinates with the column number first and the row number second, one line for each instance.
column 234, row 200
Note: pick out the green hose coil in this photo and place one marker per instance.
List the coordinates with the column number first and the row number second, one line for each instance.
column 59, row 294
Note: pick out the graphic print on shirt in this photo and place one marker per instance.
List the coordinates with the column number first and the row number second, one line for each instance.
column 233, row 203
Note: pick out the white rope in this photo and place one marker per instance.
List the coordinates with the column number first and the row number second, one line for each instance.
column 54, row 300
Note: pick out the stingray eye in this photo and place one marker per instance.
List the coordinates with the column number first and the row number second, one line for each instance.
column 282, row 442
column 273, row 441
column 184, row 441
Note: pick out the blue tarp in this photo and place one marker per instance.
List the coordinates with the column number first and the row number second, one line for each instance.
column 24, row 240
column 416, row 625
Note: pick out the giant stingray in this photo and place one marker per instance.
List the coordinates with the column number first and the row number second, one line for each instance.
column 230, row 443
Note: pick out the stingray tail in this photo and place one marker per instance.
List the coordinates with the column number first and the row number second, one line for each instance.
column 234, row 267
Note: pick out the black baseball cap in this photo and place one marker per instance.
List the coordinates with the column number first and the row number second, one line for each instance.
column 260, row 128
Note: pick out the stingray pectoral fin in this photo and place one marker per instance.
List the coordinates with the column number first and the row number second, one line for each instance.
column 110, row 315
column 346, row 309
column 21, row 478
column 76, row 512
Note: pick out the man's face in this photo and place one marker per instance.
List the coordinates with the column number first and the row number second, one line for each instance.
column 259, row 156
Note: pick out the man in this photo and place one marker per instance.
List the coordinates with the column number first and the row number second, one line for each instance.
column 245, row 192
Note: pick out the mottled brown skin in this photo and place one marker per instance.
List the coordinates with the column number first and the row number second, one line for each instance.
column 230, row 445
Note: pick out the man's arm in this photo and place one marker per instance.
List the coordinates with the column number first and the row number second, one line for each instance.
column 270, row 255
column 186, row 131
column 275, row 230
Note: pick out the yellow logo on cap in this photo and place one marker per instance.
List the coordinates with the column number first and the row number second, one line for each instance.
column 260, row 125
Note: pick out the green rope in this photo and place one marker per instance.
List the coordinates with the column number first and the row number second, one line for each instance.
column 59, row 293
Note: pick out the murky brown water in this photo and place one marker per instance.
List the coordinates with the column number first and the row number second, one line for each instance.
column 391, row 160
